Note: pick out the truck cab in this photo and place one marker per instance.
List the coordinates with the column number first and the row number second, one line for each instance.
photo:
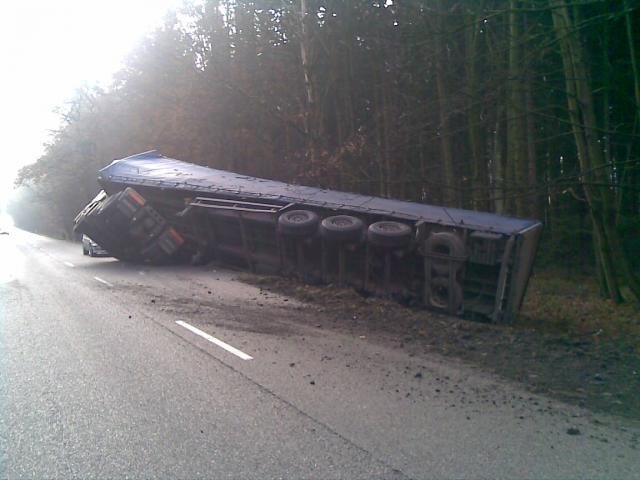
column 128, row 227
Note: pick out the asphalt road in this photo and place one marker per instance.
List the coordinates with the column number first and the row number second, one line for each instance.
column 109, row 370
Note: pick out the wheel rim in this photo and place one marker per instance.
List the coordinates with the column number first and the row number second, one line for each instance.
column 439, row 296
column 390, row 227
column 298, row 217
column 442, row 250
column 342, row 222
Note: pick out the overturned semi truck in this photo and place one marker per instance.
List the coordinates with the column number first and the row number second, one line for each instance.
column 466, row 263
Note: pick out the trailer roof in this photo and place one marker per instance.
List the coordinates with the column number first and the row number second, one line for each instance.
column 151, row 169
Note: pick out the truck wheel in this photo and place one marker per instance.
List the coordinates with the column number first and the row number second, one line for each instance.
column 447, row 244
column 84, row 251
column 440, row 294
column 300, row 223
column 342, row 229
column 389, row 234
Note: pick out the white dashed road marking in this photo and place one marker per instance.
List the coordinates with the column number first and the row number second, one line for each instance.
column 214, row 340
column 103, row 281
column 69, row 264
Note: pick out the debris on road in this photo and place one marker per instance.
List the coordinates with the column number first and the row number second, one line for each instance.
column 568, row 368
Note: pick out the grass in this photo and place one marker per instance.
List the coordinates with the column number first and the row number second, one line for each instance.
column 570, row 304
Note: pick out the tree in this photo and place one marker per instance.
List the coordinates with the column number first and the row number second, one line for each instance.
column 515, row 106
column 595, row 173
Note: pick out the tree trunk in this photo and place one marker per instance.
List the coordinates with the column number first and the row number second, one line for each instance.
column 533, row 197
column 516, row 152
column 632, row 55
column 498, row 165
column 478, row 164
column 446, row 151
column 310, row 114
column 617, row 273
column 630, row 197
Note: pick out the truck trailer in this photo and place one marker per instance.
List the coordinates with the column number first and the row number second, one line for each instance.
column 461, row 262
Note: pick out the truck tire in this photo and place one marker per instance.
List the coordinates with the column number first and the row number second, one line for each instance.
column 389, row 234
column 301, row 223
column 440, row 292
column 342, row 229
column 447, row 244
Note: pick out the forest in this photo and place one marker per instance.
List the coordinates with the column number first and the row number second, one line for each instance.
column 528, row 108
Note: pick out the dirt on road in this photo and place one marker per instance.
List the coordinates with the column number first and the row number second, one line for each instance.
column 595, row 368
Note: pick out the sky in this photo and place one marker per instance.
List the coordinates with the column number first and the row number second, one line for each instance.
column 49, row 49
